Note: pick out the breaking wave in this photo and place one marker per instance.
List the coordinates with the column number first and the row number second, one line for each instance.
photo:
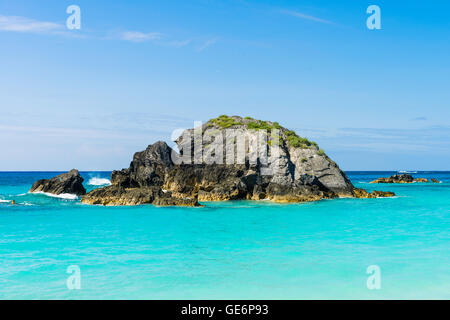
column 99, row 182
column 66, row 196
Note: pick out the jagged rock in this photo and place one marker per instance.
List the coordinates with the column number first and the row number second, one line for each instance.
column 402, row 178
column 435, row 180
column 397, row 178
column 215, row 164
column 71, row 183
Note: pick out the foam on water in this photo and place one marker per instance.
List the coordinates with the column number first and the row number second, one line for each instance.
column 66, row 196
column 99, row 181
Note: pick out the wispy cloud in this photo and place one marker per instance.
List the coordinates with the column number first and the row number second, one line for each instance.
column 157, row 38
column 177, row 43
column 136, row 36
column 26, row 25
column 206, row 44
column 419, row 119
column 306, row 17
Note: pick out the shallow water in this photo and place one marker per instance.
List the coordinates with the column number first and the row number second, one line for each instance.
column 227, row 250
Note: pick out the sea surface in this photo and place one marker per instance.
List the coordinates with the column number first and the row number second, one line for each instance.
column 226, row 250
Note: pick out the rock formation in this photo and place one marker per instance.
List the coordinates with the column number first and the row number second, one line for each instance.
column 229, row 158
column 70, row 182
column 402, row 178
column 361, row 193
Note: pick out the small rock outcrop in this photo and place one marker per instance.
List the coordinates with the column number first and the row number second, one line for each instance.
column 402, row 178
column 220, row 161
column 361, row 193
column 397, row 178
column 435, row 180
column 66, row 183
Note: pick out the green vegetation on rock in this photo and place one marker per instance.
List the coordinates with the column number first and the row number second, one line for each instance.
column 292, row 138
column 225, row 121
column 260, row 125
column 298, row 142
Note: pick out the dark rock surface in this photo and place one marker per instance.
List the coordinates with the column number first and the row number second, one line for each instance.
column 400, row 178
column 397, row 178
column 71, row 183
column 118, row 196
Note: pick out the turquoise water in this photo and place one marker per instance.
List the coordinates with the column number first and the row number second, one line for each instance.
column 233, row 250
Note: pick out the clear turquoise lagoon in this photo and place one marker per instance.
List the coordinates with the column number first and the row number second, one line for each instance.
column 227, row 250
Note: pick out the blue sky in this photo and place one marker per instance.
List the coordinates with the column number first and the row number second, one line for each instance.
column 137, row 70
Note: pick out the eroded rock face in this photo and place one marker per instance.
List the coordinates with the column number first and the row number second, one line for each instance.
column 211, row 167
column 70, row 183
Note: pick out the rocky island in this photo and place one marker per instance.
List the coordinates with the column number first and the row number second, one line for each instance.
column 66, row 183
column 402, row 178
column 229, row 158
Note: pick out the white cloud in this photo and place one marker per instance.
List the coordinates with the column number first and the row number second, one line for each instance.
column 306, row 17
column 25, row 25
column 207, row 44
column 136, row 36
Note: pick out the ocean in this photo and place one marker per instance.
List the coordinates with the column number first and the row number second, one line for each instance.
column 226, row 250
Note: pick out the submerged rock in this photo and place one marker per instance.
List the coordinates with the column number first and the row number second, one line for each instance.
column 70, row 183
column 220, row 161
